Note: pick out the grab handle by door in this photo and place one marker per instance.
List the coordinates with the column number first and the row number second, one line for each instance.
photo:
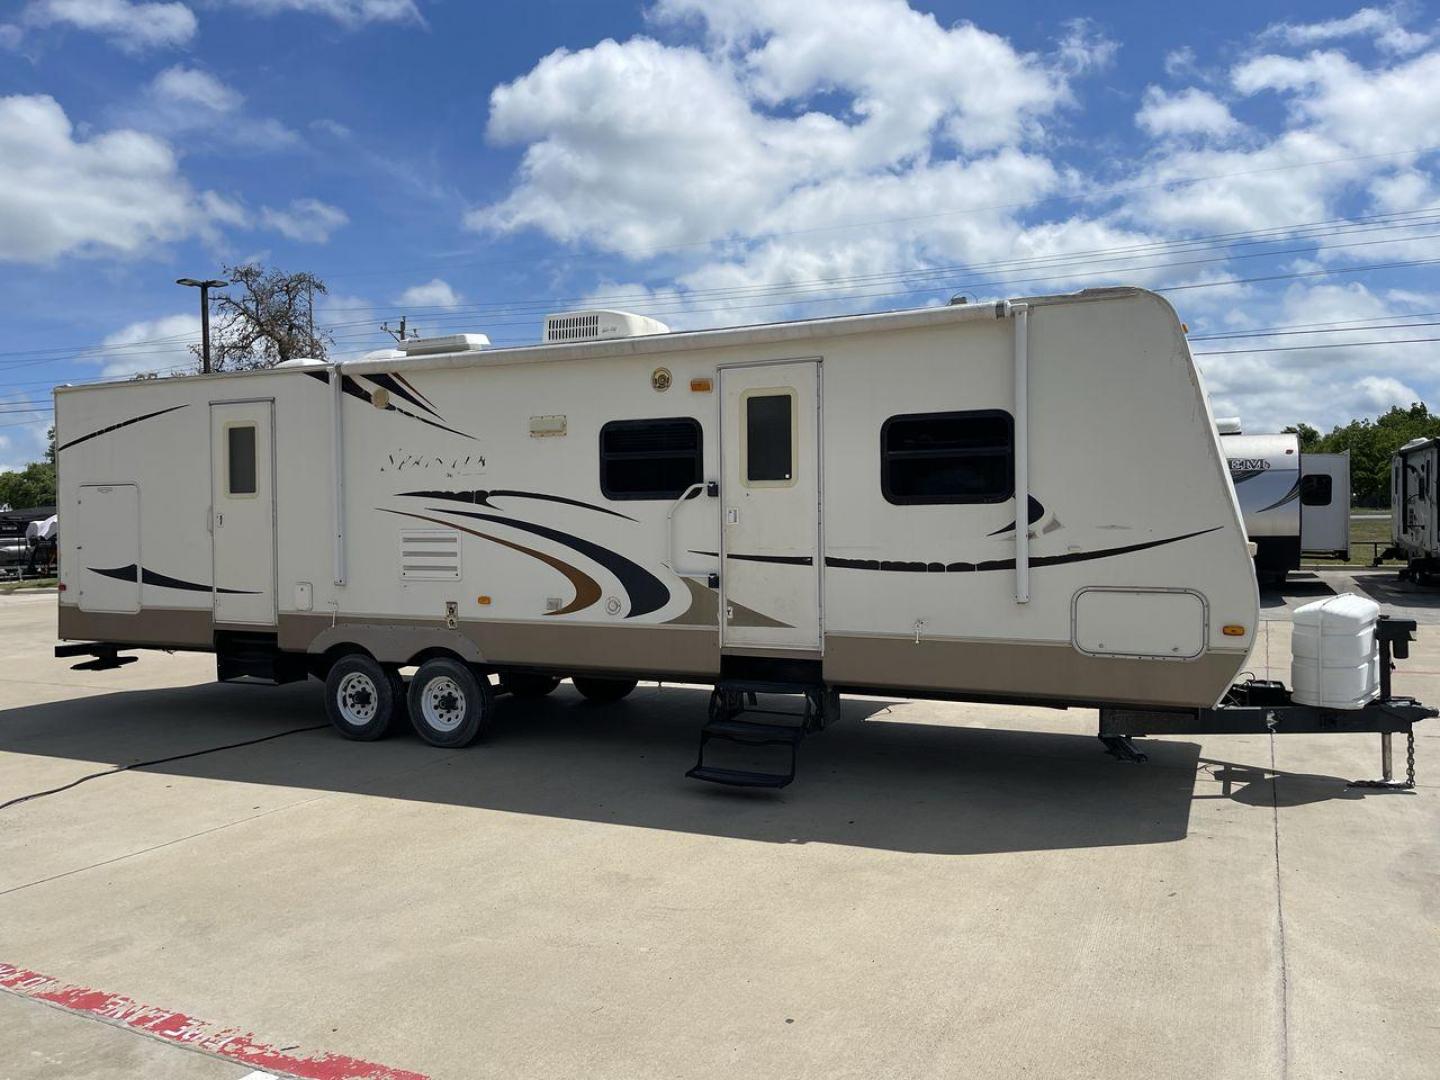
column 689, row 493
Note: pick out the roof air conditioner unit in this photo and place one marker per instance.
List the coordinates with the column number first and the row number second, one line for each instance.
column 450, row 343
column 599, row 326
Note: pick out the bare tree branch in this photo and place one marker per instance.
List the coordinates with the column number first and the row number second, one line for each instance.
column 265, row 319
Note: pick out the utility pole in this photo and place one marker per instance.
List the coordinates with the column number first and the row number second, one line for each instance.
column 204, row 287
column 399, row 335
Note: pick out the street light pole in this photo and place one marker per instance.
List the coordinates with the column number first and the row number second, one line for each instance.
column 204, row 287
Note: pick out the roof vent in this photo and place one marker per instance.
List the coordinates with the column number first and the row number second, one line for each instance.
column 599, row 326
column 450, row 343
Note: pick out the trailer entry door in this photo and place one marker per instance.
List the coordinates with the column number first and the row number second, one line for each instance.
column 770, row 489
column 242, row 488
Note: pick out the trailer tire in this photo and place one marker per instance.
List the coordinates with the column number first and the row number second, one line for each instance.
column 603, row 691
column 524, row 685
column 450, row 706
column 363, row 699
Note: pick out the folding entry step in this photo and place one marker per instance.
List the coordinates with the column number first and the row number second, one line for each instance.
column 734, row 697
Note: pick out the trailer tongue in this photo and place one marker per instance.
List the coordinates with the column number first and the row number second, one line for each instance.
column 1261, row 707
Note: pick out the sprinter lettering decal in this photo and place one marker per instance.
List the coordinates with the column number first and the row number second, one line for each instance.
column 1004, row 564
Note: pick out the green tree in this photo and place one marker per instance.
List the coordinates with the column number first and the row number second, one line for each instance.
column 1309, row 437
column 33, row 485
column 1372, row 443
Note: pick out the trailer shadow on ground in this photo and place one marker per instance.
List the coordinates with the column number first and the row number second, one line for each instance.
column 875, row 780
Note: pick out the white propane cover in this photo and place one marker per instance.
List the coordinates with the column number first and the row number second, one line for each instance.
column 1334, row 655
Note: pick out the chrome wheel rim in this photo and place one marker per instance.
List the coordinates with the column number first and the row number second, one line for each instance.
column 357, row 698
column 443, row 704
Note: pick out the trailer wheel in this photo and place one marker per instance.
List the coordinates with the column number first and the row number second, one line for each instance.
column 529, row 686
column 449, row 705
column 603, row 691
column 363, row 699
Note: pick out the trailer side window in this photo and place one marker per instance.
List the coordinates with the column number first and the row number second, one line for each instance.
column 948, row 457
column 650, row 459
column 1315, row 490
column 769, row 438
column 240, row 459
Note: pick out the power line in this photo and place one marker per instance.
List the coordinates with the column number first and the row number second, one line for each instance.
column 1306, row 348
column 1061, row 262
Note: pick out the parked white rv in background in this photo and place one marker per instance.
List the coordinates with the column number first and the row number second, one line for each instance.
column 1415, row 507
column 966, row 502
column 1294, row 504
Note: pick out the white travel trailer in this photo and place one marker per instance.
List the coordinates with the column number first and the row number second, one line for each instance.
column 1415, row 507
column 1292, row 503
column 816, row 507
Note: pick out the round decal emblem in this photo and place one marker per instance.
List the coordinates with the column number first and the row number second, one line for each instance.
column 660, row 379
column 613, row 605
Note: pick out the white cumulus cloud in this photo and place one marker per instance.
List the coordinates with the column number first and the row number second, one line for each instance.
column 307, row 221
column 119, row 192
column 1385, row 25
column 134, row 27
column 150, row 345
column 1190, row 112
column 346, row 12
column 433, row 293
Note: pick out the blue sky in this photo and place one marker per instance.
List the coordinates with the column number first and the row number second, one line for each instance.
column 725, row 161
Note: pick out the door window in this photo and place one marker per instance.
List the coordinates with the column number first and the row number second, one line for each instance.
column 240, row 475
column 769, row 444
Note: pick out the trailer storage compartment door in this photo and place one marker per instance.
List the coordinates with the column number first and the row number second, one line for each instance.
column 109, row 547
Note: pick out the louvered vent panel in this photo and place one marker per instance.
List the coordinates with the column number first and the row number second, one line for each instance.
column 572, row 327
column 429, row 555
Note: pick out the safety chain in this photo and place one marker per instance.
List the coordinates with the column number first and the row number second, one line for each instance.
column 1410, row 758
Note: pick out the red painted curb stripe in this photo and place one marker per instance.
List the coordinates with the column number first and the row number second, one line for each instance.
column 192, row 1033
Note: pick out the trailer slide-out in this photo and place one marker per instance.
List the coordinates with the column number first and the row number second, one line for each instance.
column 1023, row 501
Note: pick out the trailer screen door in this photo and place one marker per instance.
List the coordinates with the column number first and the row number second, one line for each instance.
column 243, row 512
column 770, row 486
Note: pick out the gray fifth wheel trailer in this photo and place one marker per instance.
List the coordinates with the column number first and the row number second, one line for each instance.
column 1023, row 501
column 1415, row 509
column 1293, row 503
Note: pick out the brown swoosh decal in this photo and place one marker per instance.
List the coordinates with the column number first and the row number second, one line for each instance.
column 587, row 589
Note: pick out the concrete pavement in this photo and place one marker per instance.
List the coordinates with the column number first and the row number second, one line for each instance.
column 946, row 891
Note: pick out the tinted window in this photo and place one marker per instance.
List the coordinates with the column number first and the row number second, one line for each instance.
column 1315, row 490
column 649, row 459
column 240, row 459
column 950, row 457
column 769, row 437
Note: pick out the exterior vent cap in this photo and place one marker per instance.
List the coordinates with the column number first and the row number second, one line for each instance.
column 599, row 326
column 450, row 343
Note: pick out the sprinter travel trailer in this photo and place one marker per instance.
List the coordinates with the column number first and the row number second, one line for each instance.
column 1292, row 503
column 819, row 507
